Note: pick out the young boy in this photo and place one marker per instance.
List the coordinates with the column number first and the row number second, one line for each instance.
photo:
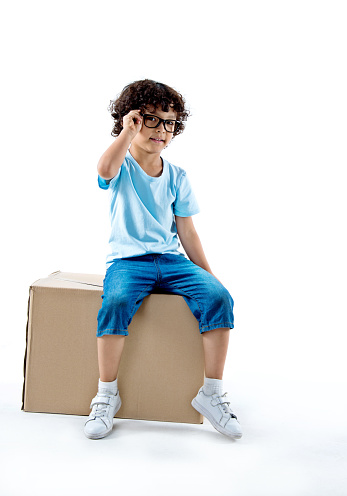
column 151, row 205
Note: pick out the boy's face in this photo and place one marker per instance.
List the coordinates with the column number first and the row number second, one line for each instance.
column 154, row 140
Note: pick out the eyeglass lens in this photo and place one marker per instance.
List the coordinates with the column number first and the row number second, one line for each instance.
column 153, row 121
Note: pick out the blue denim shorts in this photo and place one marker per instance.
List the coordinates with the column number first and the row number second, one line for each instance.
column 129, row 280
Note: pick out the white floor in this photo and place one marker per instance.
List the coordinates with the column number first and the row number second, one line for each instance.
column 294, row 444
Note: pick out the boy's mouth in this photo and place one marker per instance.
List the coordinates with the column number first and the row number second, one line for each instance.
column 157, row 140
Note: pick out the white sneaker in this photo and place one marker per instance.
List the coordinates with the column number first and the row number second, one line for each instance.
column 104, row 406
column 216, row 409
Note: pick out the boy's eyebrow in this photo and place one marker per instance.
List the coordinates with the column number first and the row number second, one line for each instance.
column 168, row 117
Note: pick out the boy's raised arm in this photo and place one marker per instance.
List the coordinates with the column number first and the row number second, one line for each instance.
column 112, row 159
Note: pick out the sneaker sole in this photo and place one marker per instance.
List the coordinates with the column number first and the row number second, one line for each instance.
column 215, row 424
column 104, row 434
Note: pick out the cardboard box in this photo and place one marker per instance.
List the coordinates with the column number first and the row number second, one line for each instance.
column 162, row 365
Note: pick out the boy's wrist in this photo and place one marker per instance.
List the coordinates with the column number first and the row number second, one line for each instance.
column 128, row 134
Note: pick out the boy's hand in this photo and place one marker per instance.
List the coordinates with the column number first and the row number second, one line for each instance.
column 132, row 122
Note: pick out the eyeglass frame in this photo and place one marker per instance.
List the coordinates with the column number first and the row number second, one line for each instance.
column 164, row 121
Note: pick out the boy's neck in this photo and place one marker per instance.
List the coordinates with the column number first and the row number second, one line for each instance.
column 146, row 160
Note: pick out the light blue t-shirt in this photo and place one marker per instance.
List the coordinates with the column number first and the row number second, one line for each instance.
column 142, row 209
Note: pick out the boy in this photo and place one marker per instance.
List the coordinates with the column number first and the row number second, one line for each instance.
column 151, row 205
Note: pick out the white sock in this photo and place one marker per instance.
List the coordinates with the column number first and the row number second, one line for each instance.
column 112, row 387
column 212, row 386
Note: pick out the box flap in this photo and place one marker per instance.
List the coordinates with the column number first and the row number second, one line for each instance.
column 90, row 279
column 71, row 280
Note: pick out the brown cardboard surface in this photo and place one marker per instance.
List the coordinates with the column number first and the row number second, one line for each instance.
column 162, row 365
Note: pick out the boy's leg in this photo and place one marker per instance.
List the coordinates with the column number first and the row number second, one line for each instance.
column 110, row 348
column 126, row 284
column 215, row 343
column 210, row 401
column 107, row 401
column 212, row 305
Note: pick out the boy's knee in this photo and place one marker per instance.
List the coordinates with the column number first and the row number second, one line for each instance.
column 222, row 298
column 116, row 300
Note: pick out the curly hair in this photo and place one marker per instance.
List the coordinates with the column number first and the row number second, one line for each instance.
column 139, row 94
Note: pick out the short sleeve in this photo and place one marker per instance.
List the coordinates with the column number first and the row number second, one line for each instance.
column 103, row 183
column 185, row 204
column 106, row 183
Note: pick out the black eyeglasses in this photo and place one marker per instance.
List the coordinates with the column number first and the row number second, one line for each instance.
column 152, row 121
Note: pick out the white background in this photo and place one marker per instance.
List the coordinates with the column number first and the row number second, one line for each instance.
column 265, row 151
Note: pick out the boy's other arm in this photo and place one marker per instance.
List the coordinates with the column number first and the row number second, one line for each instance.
column 191, row 242
column 112, row 159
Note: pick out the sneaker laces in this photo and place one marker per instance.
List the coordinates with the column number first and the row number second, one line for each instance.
column 100, row 410
column 100, row 407
column 225, row 406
